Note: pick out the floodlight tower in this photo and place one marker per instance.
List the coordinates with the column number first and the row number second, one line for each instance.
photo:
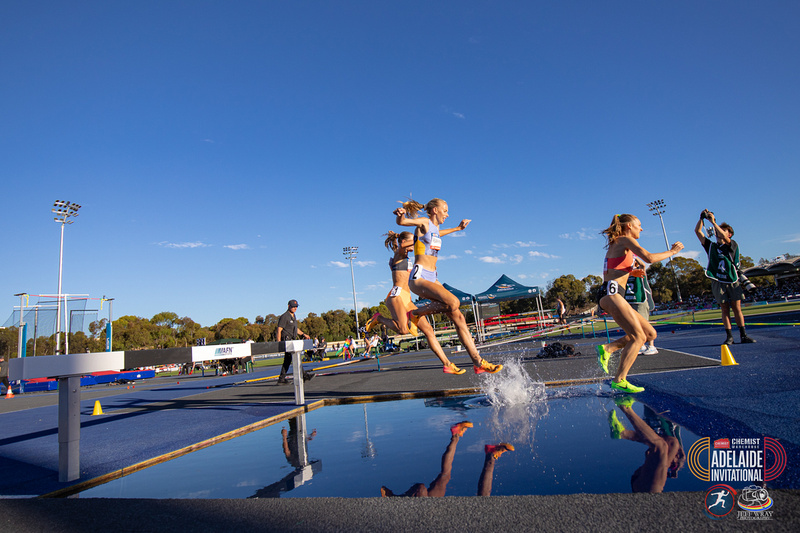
column 659, row 207
column 350, row 252
column 63, row 211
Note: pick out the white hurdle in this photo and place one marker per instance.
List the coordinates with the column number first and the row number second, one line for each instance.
column 68, row 369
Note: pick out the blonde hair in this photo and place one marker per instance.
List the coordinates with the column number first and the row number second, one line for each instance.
column 393, row 239
column 413, row 207
column 617, row 227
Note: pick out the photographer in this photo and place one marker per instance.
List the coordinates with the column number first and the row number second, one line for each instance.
column 723, row 269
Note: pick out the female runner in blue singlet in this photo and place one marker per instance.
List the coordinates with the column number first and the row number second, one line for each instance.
column 623, row 243
column 399, row 303
column 424, row 280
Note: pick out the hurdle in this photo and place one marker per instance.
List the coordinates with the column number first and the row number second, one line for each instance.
column 68, row 369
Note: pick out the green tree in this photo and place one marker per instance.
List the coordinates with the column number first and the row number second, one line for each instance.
column 571, row 291
column 232, row 328
column 314, row 326
column 340, row 324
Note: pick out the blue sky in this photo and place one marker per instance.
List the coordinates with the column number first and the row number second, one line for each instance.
column 225, row 152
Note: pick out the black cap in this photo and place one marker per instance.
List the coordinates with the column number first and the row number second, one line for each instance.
column 293, row 303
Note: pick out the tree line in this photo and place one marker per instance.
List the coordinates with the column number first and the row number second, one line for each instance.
column 168, row 330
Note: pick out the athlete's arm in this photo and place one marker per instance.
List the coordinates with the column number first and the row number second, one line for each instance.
column 420, row 222
column 633, row 245
column 460, row 227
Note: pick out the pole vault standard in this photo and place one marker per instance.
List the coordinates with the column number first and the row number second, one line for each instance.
column 68, row 371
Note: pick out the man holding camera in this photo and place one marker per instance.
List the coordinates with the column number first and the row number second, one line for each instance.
column 723, row 269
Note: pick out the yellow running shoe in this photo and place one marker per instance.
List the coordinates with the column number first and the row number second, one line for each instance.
column 624, row 386
column 615, row 425
column 459, row 429
column 602, row 357
column 371, row 322
column 487, row 367
column 498, row 449
column 453, row 369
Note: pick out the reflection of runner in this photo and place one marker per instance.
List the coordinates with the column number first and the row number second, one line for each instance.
column 438, row 487
column 399, row 303
column 424, row 280
column 664, row 455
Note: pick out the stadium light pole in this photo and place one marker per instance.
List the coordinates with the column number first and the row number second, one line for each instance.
column 63, row 211
column 659, row 207
column 350, row 252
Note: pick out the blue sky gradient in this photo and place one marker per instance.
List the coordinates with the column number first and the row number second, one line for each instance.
column 225, row 152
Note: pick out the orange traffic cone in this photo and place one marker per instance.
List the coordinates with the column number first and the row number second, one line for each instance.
column 9, row 394
column 97, row 409
column 727, row 356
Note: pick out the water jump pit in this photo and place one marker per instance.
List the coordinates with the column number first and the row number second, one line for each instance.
column 517, row 438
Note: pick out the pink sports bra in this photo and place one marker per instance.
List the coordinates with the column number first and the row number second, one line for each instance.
column 623, row 264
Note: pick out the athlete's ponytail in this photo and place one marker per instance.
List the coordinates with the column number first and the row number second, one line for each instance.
column 393, row 239
column 617, row 227
column 413, row 207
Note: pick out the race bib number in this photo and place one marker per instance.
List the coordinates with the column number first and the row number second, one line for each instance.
column 612, row 287
column 395, row 292
column 416, row 273
column 436, row 242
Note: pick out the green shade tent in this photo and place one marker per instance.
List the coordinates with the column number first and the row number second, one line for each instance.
column 505, row 289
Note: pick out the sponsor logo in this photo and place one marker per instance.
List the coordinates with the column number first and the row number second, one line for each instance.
column 223, row 351
column 722, row 444
column 719, row 501
column 755, row 504
column 737, row 459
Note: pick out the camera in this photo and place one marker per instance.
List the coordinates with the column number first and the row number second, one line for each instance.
column 706, row 214
column 754, row 494
column 748, row 286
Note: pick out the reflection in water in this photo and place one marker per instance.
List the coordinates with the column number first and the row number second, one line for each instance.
column 664, row 455
column 295, row 449
column 368, row 451
column 560, row 444
column 438, row 487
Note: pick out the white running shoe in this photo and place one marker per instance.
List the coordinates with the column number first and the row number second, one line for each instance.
column 651, row 350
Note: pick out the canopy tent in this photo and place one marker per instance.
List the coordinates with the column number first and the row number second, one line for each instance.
column 502, row 290
column 464, row 298
column 505, row 289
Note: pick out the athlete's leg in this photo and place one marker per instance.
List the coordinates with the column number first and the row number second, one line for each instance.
column 631, row 323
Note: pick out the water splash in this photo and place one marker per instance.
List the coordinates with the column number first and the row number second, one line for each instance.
column 512, row 386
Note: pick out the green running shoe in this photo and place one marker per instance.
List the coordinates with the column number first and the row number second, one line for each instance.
column 602, row 357
column 624, row 386
column 624, row 401
column 615, row 425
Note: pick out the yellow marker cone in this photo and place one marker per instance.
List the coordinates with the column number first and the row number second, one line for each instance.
column 727, row 356
column 99, row 410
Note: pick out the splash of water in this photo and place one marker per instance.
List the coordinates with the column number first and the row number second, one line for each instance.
column 518, row 403
column 512, row 386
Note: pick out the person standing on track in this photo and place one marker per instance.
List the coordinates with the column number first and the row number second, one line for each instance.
column 623, row 243
column 399, row 303
column 424, row 280
column 289, row 330
column 723, row 269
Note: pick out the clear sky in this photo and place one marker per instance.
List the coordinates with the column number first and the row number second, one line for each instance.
column 225, row 152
